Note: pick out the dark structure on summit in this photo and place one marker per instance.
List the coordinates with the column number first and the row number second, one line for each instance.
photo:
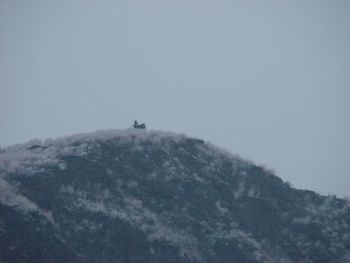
column 139, row 126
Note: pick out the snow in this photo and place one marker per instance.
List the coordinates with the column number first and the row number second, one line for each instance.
column 10, row 196
column 25, row 160
column 21, row 158
column 239, row 192
column 133, row 212
column 221, row 209
column 221, row 232
column 253, row 193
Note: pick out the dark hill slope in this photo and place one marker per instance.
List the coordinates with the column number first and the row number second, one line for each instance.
column 137, row 197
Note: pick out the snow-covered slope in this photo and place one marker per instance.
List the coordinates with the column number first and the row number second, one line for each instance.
column 150, row 196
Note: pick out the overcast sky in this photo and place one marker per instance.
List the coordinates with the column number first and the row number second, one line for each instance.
column 268, row 80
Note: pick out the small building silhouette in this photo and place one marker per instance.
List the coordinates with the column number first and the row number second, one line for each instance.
column 139, row 126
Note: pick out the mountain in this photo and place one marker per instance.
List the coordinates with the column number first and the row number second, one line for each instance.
column 136, row 196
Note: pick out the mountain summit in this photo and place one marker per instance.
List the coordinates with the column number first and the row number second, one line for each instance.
column 137, row 196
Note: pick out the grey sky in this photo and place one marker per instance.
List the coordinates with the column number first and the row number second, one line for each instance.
column 269, row 80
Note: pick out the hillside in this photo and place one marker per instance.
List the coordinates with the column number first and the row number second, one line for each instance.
column 135, row 196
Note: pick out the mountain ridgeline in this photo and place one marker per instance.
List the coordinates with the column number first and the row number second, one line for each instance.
column 136, row 196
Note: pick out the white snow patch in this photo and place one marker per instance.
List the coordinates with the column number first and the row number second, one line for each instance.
column 132, row 184
column 222, row 209
column 33, row 156
column 239, row 192
column 253, row 193
column 20, row 158
column 134, row 212
column 243, row 238
column 197, row 178
column 302, row 220
column 10, row 196
column 62, row 166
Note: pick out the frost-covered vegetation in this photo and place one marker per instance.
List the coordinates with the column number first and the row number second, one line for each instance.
column 150, row 196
